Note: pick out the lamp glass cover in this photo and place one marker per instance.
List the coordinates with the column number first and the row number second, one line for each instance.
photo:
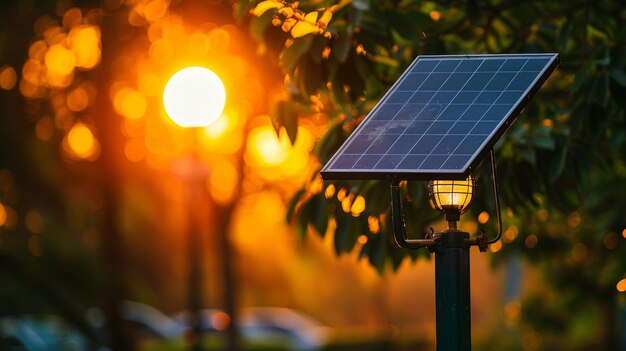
column 449, row 195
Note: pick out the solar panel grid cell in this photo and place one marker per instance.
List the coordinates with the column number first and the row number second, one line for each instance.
column 439, row 116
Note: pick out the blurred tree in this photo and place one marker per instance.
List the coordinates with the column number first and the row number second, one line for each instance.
column 560, row 165
column 82, row 86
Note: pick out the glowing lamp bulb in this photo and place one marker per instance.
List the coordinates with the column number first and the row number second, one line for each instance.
column 452, row 197
column 194, row 97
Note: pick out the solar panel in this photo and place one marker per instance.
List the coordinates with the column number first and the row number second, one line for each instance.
column 441, row 116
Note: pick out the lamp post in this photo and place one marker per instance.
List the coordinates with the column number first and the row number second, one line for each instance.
column 194, row 97
column 451, row 248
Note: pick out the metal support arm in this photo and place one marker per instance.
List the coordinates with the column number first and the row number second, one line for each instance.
column 398, row 223
column 481, row 241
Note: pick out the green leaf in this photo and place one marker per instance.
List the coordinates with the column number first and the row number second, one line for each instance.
column 259, row 25
column 291, row 55
column 341, row 48
column 527, row 153
column 543, row 142
column 293, row 203
column 342, row 233
column 318, row 208
column 618, row 76
column 558, row 163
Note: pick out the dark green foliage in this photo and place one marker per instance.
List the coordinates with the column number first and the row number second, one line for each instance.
column 565, row 155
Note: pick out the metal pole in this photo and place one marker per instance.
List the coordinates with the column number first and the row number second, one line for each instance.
column 452, row 288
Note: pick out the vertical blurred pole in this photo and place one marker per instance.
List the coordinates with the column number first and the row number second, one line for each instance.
column 452, row 288
column 108, row 126
column 195, row 186
column 223, row 217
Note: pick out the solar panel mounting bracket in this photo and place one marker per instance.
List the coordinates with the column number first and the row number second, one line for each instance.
column 431, row 241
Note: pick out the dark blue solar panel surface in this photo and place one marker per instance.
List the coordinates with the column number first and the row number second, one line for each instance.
column 441, row 116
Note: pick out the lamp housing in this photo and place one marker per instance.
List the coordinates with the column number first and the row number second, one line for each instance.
column 452, row 197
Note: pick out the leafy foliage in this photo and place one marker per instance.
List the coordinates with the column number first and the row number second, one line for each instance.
column 562, row 162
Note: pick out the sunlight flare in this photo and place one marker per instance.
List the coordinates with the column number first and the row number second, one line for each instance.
column 194, row 97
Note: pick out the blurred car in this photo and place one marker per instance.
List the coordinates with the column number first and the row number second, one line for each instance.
column 295, row 330
column 40, row 333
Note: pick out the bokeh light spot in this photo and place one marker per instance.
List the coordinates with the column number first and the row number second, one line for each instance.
column 223, row 182
column 531, row 241
column 3, row 215
column 59, row 60
column 85, row 44
column 135, row 150
column 358, row 206
column 495, row 247
column 132, row 104
column 483, row 217
column 579, row 252
column 77, row 99
column 194, row 97
column 8, row 77
column 82, row 142
column 220, row 320
column 267, row 148
column 34, row 221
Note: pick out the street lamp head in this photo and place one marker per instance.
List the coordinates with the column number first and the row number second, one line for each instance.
column 194, row 97
column 452, row 197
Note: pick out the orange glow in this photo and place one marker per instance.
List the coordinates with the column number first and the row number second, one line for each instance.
column 31, row 71
column 266, row 148
column 483, row 217
column 34, row 221
column 610, row 240
column 510, row 234
column 579, row 252
column 358, row 206
column 59, row 60
column 542, row 215
column 77, row 99
column 531, row 241
column 362, row 239
column 37, row 50
column 85, row 44
column 223, row 182
column 548, row 123
column 134, row 150
column 162, row 51
column 621, row 285
column 330, row 191
column 373, row 224
column 495, row 247
column 346, row 204
column 194, row 97
column 435, row 15
column 154, row 10
column 81, row 142
column 220, row 320
column 574, row 219
column 8, row 77
column 3, row 215
column 149, row 84
column 130, row 103
column 342, row 194
column 72, row 17
column 44, row 129
column 219, row 127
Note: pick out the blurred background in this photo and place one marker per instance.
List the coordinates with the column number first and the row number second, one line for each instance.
column 120, row 230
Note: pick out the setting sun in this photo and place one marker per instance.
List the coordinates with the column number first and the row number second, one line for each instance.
column 194, row 97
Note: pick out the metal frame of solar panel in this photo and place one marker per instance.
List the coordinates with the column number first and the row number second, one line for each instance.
column 441, row 117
